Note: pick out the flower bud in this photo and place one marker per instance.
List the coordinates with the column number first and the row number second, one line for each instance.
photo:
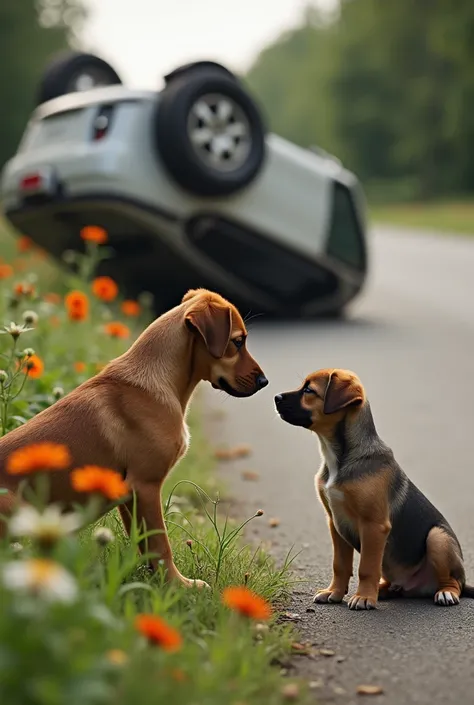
column 30, row 317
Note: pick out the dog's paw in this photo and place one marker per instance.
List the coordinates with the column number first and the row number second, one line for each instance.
column 446, row 598
column 362, row 602
column 325, row 596
column 200, row 584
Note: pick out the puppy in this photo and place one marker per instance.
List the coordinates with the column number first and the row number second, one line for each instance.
column 132, row 416
column 406, row 546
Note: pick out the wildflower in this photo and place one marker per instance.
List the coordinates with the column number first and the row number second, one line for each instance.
column 30, row 318
column 34, row 367
column 16, row 547
column 80, row 367
column 24, row 244
column 24, row 289
column 52, row 298
column 37, row 458
column 28, row 352
column 47, row 527
column 131, row 308
column 93, row 479
column 6, row 270
column 14, row 329
column 259, row 513
column 158, row 632
column 105, row 288
column 116, row 656
column 117, row 330
column 77, row 305
column 103, row 536
column 3, row 377
column 58, row 392
column 94, row 233
column 41, row 577
column 241, row 599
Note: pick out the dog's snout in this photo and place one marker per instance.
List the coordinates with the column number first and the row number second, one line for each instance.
column 278, row 398
column 261, row 381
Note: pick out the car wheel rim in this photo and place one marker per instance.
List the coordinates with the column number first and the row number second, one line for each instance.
column 219, row 132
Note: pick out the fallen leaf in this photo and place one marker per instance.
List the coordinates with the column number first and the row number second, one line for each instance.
column 231, row 453
column 338, row 690
column 300, row 648
column 274, row 522
column 315, row 684
column 327, row 652
column 250, row 475
column 369, row 690
column 340, row 659
column 290, row 691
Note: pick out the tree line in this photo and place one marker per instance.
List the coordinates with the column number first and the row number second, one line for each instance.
column 388, row 87
column 31, row 32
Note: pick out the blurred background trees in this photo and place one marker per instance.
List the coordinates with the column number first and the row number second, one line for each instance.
column 31, row 31
column 386, row 86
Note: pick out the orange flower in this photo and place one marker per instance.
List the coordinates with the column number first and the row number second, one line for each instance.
column 77, row 305
column 6, row 270
column 34, row 367
column 131, row 308
column 24, row 289
column 94, row 233
column 241, row 599
column 52, row 298
column 24, row 244
column 92, row 478
column 117, row 330
column 38, row 457
column 105, row 288
column 80, row 366
column 158, row 632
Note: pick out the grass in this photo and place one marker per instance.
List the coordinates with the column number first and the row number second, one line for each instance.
column 87, row 649
column 444, row 216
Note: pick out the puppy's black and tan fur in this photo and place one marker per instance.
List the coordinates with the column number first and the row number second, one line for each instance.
column 406, row 546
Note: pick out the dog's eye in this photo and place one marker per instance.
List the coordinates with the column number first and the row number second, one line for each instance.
column 238, row 342
column 308, row 390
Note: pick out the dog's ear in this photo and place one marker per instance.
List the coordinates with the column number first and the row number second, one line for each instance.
column 214, row 323
column 341, row 393
column 189, row 295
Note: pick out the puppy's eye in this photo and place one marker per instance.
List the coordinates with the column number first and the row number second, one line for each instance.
column 238, row 342
column 309, row 390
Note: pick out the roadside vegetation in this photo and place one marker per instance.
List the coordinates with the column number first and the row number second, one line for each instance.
column 449, row 217
column 83, row 622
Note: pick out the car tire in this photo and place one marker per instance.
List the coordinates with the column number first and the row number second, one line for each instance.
column 209, row 133
column 65, row 73
column 198, row 66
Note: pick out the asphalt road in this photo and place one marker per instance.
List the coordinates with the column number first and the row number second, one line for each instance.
column 410, row 338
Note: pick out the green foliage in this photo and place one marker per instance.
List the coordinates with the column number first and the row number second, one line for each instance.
column 31, row 32
column 387, row 87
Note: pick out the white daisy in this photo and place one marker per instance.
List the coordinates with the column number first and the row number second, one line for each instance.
column 42, row 577
column 103, row 535
column 46, row 527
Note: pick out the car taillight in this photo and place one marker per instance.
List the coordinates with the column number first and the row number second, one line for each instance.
column 102, row 122
column 31, row 182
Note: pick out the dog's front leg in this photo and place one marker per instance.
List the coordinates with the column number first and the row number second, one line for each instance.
column 373, row 537
column 149, row 515
column 343, row 556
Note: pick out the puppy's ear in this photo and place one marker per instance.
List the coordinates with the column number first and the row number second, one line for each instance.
column 341, row 393
column 214, row 323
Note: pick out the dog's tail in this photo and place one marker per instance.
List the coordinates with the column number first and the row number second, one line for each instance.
column 468, row 591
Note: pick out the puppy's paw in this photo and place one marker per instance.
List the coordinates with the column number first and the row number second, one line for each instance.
column 362, row 602
column 446, row 598
column 325, row 596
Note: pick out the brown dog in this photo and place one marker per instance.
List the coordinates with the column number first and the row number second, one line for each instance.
column 406, row 546
column 131, row 416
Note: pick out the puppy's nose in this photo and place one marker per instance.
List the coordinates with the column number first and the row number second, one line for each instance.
column 261, row 381
column 278, row 398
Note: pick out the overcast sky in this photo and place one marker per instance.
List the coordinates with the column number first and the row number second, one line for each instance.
column 143, row 39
